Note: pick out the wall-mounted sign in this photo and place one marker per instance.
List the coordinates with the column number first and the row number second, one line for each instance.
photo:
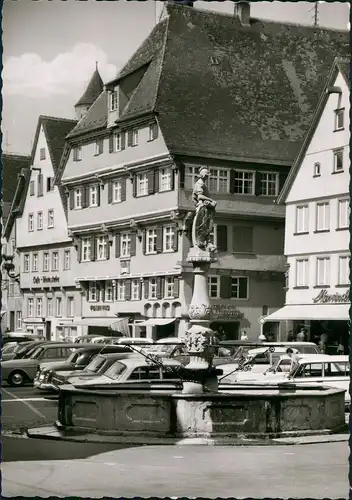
column 45, row 279
column 332, row 298
column 100, row 308
column 226, row 311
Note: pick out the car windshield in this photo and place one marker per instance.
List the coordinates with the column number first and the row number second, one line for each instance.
column 96, row 364
column 72, row 357
column 29, row 353
column 9, row 347
column 35, row 353
column 115, row 370
column 308, row 349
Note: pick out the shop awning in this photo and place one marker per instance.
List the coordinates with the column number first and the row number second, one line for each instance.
column 156, row 322
column 322, row 312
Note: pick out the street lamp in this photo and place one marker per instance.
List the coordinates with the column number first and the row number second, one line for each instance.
column 8, row 266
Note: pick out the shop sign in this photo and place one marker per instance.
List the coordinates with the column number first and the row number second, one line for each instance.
column 100, row 308
column 45, row 279
column 226, row 311
column 332, row 298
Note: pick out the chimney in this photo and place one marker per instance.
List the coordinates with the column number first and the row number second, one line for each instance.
column 243, row 12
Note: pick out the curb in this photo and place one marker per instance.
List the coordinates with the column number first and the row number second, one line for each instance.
column 53, row 434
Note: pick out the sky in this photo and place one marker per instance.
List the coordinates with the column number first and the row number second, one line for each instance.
column 50, row 48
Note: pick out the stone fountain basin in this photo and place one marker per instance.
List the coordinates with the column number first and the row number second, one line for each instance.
column 241, row 411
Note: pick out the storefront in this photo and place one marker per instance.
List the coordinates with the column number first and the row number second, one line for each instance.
column 327, row 315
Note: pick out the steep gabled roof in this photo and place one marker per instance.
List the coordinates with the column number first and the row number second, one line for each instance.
column 93, row 90
column 338, row 65
column 95, row 118
column 17, row 204
column 12, row 164
column 344, row 66
column 228, row 91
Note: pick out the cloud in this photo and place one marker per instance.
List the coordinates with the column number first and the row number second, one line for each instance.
column 28, row 75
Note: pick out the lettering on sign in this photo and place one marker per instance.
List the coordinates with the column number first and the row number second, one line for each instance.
column 45, row 279
column 226, row 311
column 100, row 308
column 332, row 298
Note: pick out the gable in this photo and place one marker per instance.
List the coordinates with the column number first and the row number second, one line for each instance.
column 324, row 140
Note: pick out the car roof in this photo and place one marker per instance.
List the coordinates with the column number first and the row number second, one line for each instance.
column 141, row 361
column 321, row 358
column 104, row 348
column 62, row 344
column 117, row 355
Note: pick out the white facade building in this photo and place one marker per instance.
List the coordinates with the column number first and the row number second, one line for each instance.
column 51, row 301
column 317, row 236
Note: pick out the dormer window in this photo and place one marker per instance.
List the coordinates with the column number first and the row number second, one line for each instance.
column 77, row 153
column 316, row 171
column 153, row 131
column 113, row 101
column 99, row 147
column 339, row 118
column 42, row 154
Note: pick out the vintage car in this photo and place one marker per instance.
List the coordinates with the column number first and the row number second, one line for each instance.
column 78, row 360
column 134, row 370
column 20, row 350
column 99, row 364
column 18, row 337
column 17, row 372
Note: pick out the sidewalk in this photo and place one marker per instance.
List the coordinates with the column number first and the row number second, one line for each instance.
column 312, row 471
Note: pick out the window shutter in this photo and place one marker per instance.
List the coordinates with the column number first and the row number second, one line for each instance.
column 159, row 239
column 159, row 288
column 146, row 288
column 123, row 140
column 232, row 181
column 98, row 195
column 172, row 180
column 128, row 290
column 242, row 239
column 111, row 143
column 107, row 248
column 181, row 170
column 282, row 179
column 129, row 138
column 176, row 287
column 140, row 290
column 110, row 192
column 150, row 176
column 123, row 189
column 79, row 250
column 72, row 199
column 40, row 185
column 133, row 244
column 134, row 186
column 117, row 245
column 144, row 247
column 93, row 249
column 225, row 287
column 221, row 236
column 85, row 196
column 155, row 130
column 175, row 239
column 156, row 180
column 257, row 183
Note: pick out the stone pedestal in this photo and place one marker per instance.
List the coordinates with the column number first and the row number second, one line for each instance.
column 200, row 376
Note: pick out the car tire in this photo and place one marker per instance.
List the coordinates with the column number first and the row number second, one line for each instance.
column 17, row 379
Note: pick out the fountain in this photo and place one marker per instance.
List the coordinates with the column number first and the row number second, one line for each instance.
column 200, row 410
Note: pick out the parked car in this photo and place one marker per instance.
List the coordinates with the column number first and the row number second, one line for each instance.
column 99, row 364
column 78, row 360
column 307, row 369
column 17, row 372
column 257, row 361
column 131, row 371
column 20, row 350
column 105, row 340
column 18, row 337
